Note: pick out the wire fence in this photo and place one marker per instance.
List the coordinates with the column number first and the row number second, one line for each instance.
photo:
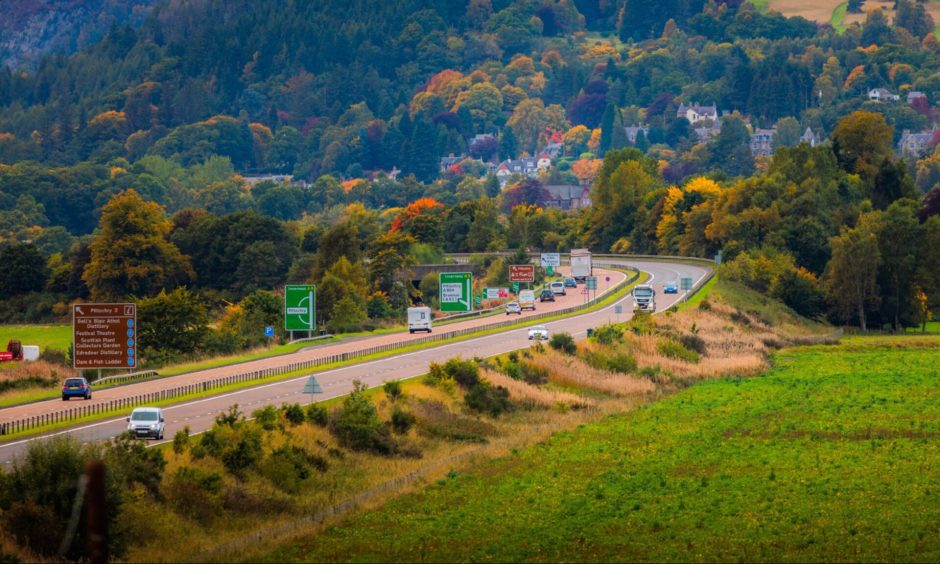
column 77, row 413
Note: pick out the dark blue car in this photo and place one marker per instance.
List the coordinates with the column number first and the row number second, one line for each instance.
column 76, row 388
column 670, row 288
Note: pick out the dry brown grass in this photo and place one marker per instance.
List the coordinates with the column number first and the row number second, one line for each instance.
column 529, row 395
column 35, row 369
column 570, row 371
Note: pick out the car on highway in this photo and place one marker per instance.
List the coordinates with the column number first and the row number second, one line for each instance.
column 146, row 422
column 571, row 282
column 671, row 287
column 538, row 333
column 557, row 287
column 547, row 296
column 513, row 307
column 76, row 388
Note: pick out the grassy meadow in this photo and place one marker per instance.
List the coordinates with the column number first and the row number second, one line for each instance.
column 832, row 454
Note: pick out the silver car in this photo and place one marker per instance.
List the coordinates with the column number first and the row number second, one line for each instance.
column 146, row 422
column 538, row 333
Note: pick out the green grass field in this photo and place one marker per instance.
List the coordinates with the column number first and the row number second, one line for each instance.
column 832, row 455
column 46, row 336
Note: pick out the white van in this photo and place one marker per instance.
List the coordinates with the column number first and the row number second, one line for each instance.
column 527, row 299
column 419, row 319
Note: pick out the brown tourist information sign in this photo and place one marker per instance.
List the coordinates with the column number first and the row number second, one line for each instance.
column 104, row 336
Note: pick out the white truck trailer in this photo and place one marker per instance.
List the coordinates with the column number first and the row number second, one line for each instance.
column 419, row 319
column 581, row 264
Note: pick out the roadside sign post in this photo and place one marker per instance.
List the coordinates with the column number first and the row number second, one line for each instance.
column 522, row 273
column 312, row 387
column 686, row 285
column 590, row 283
column 550, row 260
column 456, row 292
column 300, row 308
column 104, row 336
column 618, row 309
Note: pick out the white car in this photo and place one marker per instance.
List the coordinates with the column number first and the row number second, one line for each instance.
column 146, row 422
column 513, row 307
column 558, row 287
column 538, row 333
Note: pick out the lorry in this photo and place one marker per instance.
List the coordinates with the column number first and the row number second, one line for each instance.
column 419, row 319
column 527, row 299
column 581, row 264
column 645, row 297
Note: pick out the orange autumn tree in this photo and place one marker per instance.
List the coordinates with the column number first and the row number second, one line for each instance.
column 422, row 219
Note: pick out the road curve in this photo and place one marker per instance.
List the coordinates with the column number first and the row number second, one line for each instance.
column 199, row 414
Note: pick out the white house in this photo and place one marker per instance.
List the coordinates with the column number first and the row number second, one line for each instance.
column 810, row 137
column 526, row 166
column 882, row 95
column 696, row 113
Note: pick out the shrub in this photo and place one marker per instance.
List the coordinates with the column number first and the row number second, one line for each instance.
column 642, row 323
column 465, row 372
column 488, row 399
column 194, row 493
column 266, row 417
column 293, row 413
column 607, row 334
column 435, row 375
column 181, row 440
column 693, row 343
column 435, row 420
column 512, row 370
column 285, row 468
column 230, row 418
column 402, row 420
column 621, row 362
column 705, row 305
column 673, row 349
column 317, row 415
column 55, row 356
column 393, row 389
column 130, row 462
column 563, row 342
column 244, row 453
column 532, row 374
column 357, row 426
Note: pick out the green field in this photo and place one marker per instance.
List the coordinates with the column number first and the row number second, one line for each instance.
column 46, row 336
column 832, row 455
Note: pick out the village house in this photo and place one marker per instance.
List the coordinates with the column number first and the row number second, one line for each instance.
column 526, row 166
column 914, row 145
column 882, row 95
column 696, row 113
column 568, row 197
column 253, row 179
column 762, row 142
column 451, row 160
column 915, row 95
column 810, row 137
column 706, row 134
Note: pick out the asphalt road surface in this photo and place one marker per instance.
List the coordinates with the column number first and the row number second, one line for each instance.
column 200, row 414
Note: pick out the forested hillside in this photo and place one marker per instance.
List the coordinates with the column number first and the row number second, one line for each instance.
column 255, row 143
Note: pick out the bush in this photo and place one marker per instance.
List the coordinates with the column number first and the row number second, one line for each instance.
column 607, row 334
column 532, row 374
column 244, row 453
column 230, row 418
column 435, row 375
column 393, row 389
column 286, row 468
column 293, row 413
column 55, row 356
column 488, row 399
column 621, row 362
column 673, row 349
column 194, row 493
column 465, row 372
column 705, row 305
column 402, row 420
column 642, row 323
column 266, row 417
column 181, row 440
column 357, row 426
column 693, row 343
column 563, row 342
column 317, row 415
column 130, row 462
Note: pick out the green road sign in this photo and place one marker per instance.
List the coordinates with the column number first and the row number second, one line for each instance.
column 300, row 307
column 590, row 283
column 456, row 293
column 685, row 284
column 550, row 270
column 515, row 287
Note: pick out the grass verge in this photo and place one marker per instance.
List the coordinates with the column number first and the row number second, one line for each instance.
column 824, row 458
